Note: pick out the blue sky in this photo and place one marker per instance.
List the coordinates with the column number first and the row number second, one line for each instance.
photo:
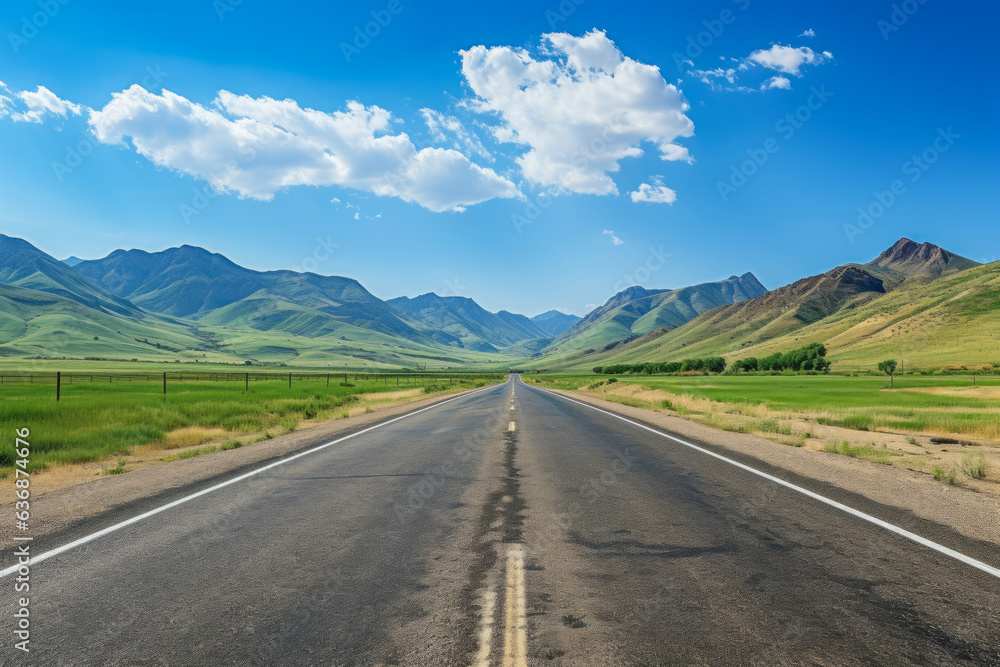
column 462, row 151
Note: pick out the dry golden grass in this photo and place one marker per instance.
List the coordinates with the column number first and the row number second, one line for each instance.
column 912, row 451
column 190, row 436
column 962, row 392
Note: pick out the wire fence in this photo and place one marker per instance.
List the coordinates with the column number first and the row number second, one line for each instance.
column 167, row 378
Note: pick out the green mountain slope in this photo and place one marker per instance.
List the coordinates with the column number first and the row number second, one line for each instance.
column 469, row 324
column 36, row 323
column 553, row 322
column 637, row 311
column 195, row 283
column 931, row 312
column 24, row 265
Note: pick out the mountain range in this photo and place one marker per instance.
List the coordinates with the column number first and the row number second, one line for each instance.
column 915, row 300
column 187, row 303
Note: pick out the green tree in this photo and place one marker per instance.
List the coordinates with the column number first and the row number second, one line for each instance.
column 714, row 364
column 889, row 368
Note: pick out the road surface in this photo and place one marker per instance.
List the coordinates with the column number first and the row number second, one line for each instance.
column 508, row 526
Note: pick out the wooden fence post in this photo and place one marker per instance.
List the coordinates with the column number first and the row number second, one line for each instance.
column 59, row 384
column 164, row 383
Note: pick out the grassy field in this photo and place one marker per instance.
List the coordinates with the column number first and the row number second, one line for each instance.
column 942, row 404
column 93, row 422
column 939, row 425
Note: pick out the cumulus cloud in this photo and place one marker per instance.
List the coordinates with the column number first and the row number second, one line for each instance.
column 448, row 129
column 614, row 239
column 258, row 146
column 808, row 32
column 657, row 193
column 29, row 106
column 788, row 59
column 782, row 82
column 579, row 107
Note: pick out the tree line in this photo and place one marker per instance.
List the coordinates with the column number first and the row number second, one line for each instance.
column 709, row 364
column 812, row 357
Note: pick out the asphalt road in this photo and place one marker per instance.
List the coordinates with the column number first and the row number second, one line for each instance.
column 474, row 533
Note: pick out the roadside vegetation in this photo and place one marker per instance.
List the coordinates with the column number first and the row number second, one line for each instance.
column 937, row 424
column 94, row 422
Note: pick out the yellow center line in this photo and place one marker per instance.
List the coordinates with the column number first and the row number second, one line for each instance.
column 512, row 408
column 515, row 646
column 511, row 427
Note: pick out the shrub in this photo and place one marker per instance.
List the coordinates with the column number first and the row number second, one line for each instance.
column 974, row 465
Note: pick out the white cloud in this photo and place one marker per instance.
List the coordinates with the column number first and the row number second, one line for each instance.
column 657, row 193
column 808, row 32
column 580, row 108
column 614, row 239
column 6, row 103
column 33, row 106
column 258, row 146
column 707, row 75
column 782, row 82
column 448, row 129
column 788, row 59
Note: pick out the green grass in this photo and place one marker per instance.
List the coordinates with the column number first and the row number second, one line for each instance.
column 974, row 465
column 942, row 475
column 94, row 421
column 868, row 452
column 631, row 402
column 190, row 453
column 859, row 403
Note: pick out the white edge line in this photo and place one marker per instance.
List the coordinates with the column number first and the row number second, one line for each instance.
column 128, row 522
column 968, row 560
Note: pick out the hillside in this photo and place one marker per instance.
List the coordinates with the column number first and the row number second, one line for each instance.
column 553, row 322
column 50, row 310
column 468, row 324
column 638, row 311
column 195, row 283
column 939, row 308
column 37, row 323
column 24, row 265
